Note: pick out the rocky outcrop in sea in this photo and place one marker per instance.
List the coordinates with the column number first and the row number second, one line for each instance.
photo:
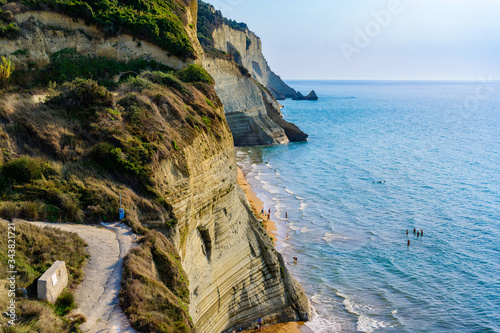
column 311, row 97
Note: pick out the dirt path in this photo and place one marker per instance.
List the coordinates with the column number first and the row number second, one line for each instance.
column 97, row 295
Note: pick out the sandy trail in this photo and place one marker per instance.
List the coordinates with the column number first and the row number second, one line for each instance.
column 97, row 295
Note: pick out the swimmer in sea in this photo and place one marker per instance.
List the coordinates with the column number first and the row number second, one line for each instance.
column 406, row 232
column 408, row 243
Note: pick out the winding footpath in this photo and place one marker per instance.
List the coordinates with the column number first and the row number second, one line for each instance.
column 97, row 295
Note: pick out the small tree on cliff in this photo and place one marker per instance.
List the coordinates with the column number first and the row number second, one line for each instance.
column 6, row 69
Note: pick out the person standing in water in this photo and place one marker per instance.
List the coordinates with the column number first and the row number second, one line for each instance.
column 286, row 215
column 406, row 232
column 408, row 243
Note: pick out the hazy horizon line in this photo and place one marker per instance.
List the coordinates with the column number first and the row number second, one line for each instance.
column 393, row 80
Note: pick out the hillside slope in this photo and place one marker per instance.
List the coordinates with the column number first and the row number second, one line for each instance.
column 151, row 129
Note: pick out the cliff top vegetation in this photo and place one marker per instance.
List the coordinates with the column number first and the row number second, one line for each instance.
column 161, row 22
column 70, row 149
column 210, row 19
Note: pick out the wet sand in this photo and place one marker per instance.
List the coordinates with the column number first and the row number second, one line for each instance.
column 257, row 206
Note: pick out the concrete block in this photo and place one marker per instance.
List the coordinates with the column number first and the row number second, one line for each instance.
column 52, row 282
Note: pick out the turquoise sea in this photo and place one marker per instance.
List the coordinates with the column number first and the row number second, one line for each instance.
column 384, row 157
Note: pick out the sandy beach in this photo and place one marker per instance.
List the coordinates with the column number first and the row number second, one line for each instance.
column 257, row 206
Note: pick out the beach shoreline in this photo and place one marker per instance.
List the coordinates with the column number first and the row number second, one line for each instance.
column 257, row 206
column 270, row 226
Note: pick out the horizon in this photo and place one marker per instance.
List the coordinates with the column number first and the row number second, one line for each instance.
column 397, row 80
column 443, row 40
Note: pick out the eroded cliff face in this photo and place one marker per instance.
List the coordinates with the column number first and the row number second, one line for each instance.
column 235, row 274
column 45, row 33
column 247, row 100
column 244, row 105
column 249, row 48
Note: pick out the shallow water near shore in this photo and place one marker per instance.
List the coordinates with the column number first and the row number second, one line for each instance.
column 384, row 157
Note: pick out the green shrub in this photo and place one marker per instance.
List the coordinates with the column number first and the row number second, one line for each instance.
column 6, row 70
column 26, row 169
column 81, row 94
column 23, row 52
column 158, row 21
column 134, row 161
column 65, row 303
column 168, row 80
column 10, row 30
column 138, row 83
column 206, row 121
column 244, row 71
column 195, row 73
column 68, row 64
column 209, row 102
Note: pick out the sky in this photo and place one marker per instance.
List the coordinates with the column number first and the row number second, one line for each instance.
column 375, row 39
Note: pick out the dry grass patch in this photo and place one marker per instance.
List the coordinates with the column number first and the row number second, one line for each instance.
column 155, row 294
column 36, row 250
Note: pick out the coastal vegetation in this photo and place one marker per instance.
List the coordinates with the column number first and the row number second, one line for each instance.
column 36, row 250
column 155, row 292
column 160, row 22
column 209, row 20
column 86, row 135
column 68, row 155
column 95, row 140
column 6, row 70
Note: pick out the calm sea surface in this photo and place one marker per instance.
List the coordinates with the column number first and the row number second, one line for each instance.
column 435, row 148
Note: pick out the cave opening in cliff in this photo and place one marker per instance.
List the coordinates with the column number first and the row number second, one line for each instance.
column 207, row 242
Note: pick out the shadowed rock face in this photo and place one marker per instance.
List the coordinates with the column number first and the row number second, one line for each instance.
column 244, row 106
column 293, row 133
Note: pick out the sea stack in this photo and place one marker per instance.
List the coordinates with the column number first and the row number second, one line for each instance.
column 311, row 97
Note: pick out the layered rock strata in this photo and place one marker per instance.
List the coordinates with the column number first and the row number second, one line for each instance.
column 246, row 98
column 244, row 105
column 235, row 274
column 249, row 54
column 45, row 33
